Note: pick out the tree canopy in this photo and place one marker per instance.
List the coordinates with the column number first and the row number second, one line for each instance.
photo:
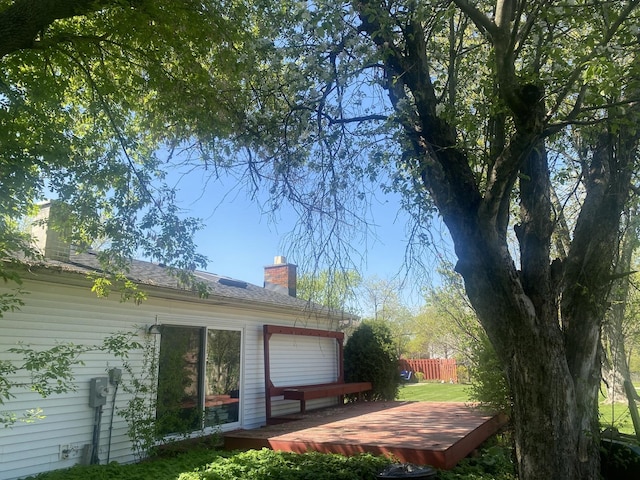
column 98, row 97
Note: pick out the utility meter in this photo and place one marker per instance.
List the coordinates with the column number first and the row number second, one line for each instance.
column 115, row 376
column 98, row 391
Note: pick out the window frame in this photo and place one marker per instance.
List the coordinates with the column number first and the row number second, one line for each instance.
column 203, row 332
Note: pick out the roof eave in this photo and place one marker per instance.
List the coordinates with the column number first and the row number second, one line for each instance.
column 65, row 276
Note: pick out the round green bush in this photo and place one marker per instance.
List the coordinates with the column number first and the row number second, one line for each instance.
column 370, row 356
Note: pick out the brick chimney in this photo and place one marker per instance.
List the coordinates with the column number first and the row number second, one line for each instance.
column 281, row 276
column 47, row 234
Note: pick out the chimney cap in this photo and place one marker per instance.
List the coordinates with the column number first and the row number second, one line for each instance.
column 280, row 260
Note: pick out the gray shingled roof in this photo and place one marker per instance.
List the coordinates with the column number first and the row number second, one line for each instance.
column 220, row 287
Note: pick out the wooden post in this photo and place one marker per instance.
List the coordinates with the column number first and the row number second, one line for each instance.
column 340, row 341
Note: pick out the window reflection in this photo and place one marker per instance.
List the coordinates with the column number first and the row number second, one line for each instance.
column 222, row 381
column 177, row 410
column 198, row 379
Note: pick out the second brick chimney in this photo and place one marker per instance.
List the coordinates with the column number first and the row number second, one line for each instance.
column 281, row 276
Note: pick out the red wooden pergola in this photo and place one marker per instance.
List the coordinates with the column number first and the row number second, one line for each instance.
column 302, row 393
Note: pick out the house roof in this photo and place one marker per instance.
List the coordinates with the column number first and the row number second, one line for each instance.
column 220, row 288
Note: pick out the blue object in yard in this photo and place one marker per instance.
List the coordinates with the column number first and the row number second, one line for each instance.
column 406, row 375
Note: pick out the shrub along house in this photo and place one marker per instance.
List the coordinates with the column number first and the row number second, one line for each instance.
column 202, row 357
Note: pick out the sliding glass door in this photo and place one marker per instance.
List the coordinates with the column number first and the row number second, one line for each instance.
column 198, row 378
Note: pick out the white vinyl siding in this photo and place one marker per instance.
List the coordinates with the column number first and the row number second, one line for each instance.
column 55, row 312
column 301, row 360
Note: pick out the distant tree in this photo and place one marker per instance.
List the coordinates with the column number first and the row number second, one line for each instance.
column 381, row 302
column 380, row 297
column 447, row 323
column 435, row 335
column 452, row 323
column 333, row 289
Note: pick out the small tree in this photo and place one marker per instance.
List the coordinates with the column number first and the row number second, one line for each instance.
column 456, row 320
column 370, row 356
column 489, row 384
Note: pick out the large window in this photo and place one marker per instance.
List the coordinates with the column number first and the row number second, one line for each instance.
column 198, row 378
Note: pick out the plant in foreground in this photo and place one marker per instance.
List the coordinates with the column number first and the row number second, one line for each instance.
column 493, row 464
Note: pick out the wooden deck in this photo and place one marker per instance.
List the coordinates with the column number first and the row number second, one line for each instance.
column 423, row 433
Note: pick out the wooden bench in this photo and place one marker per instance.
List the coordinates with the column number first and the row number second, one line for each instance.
column 313, row 392
column 302, row 393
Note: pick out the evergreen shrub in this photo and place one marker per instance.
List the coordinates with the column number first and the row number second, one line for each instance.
column 370, row 356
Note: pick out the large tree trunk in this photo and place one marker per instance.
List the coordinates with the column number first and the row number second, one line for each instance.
column 545, row 421
column 553, row 366
column 555, row 433
column 552, row 361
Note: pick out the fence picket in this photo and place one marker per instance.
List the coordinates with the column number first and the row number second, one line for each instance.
column 443, row 369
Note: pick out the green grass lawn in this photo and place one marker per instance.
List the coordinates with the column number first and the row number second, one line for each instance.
column 434, row 392
column 618, row 416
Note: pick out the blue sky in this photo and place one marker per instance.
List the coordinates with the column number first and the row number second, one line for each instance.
column 239, row 239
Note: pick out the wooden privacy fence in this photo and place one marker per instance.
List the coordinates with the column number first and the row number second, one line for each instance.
column 443, row 369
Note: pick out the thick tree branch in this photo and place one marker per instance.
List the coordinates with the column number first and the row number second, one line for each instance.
column 505, row 11
column 624, row 15
column 22, row 22
column 483, row 22
column 534, row 233
column 500, row 181
column 501, row 33
column 360, row 119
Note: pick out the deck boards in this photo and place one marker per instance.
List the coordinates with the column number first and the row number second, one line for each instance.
column 424, row 433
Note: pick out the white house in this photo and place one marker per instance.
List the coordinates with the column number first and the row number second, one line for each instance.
column 214, row 345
